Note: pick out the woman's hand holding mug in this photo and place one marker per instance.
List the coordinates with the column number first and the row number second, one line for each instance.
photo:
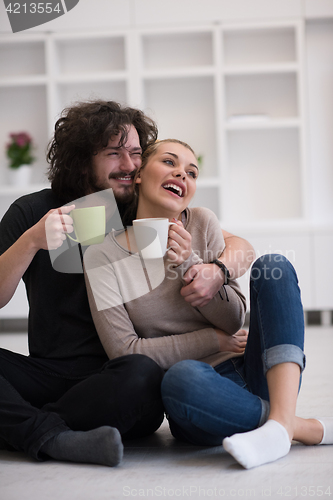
column 179, row 243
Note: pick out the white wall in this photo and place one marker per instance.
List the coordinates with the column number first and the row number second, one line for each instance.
column 319, row 67
column 318, row 8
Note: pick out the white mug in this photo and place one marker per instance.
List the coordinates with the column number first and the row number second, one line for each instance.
column 151, row 236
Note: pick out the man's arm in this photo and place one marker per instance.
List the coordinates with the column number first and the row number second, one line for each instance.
column 46, row 234
column 203, row 281
column 13, row 264
column 237, row 256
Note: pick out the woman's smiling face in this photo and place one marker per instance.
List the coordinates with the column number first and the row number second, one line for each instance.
column 167, row 183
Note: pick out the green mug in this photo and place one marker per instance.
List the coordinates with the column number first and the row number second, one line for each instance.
column 89, row 225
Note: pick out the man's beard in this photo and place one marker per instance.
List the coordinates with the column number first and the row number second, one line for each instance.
column 124, row 198
column 124, row 195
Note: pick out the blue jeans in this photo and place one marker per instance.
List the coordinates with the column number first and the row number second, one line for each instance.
column 205, row 404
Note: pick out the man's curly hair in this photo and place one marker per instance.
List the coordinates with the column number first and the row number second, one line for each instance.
column 82, row 131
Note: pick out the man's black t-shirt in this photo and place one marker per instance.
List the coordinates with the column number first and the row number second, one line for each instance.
column 60, row 323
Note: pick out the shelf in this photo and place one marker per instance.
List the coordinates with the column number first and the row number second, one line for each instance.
column 204, row 182
column 25, row 109
column 272, row 95
column 291, row 226
column 260, row 45
column 22, row 59
column 13, row 192
column 92, row 77
column 20, row 81
column 92, row 55
column 266, row 173
column 69, row 93
column 260, row 69
column 178, row 73
column 177, row 50
column 249, row 122
column 208, row 197
column 188, row 110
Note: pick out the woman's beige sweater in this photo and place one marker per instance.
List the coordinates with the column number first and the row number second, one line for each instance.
column 137, row 307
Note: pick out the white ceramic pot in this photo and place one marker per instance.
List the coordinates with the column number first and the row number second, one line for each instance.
column 20, row 176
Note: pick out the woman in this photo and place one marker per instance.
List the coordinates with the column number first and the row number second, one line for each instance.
column 209, row 383
column 128, row 318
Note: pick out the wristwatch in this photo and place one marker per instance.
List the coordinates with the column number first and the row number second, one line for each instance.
column 224, row 269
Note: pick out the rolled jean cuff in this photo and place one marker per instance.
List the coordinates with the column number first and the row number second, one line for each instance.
column 284, row 353
column 265, row 408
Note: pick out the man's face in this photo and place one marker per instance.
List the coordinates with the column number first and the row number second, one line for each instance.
column 115, row 166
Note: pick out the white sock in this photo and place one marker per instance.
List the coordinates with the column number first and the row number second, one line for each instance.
column 260, row 446
column 327, row 423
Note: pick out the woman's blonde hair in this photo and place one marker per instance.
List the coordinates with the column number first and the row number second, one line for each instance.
column 152, row 148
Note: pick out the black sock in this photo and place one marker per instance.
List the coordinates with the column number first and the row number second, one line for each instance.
column 99, row 446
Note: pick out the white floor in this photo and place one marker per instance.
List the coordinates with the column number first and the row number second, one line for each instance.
column 159, row 467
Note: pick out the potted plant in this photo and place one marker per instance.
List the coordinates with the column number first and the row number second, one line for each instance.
column 19, row 153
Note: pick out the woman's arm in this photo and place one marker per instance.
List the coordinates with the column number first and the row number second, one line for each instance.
column 226, row 310
column 118, row 336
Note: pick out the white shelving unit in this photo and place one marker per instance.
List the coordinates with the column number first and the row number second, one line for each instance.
column 86, row 67
column 264, row 122
column 42, row 74
column 235, row 92
column 23, row 95
column 227, row 90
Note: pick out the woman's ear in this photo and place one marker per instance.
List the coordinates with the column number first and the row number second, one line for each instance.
column 138, row 178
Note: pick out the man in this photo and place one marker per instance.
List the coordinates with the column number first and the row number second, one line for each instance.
column 66, row 400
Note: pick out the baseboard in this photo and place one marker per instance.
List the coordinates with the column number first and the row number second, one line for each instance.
column 14, row 325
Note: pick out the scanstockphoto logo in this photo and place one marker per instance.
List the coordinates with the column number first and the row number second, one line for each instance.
column 92, row 246
column 25, row 14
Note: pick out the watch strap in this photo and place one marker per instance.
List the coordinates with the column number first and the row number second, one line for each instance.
column 224, row 269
